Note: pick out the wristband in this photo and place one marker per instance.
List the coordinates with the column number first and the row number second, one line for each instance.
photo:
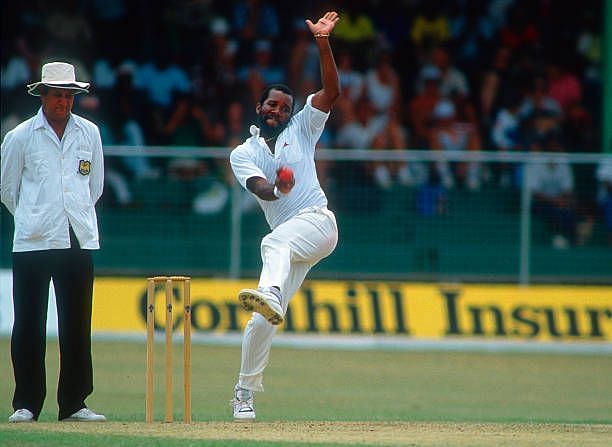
column 318, row 35
column 277, row 193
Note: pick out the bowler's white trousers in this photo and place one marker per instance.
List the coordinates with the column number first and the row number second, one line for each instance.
column 287, row 253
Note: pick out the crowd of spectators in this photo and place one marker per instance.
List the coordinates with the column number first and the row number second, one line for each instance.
column 453, row 75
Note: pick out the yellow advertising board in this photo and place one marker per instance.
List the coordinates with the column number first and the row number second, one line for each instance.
column 431, row 311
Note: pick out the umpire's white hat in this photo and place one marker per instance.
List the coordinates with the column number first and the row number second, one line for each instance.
column 58, row 75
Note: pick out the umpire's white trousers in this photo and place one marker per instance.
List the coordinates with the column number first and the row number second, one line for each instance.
column 287, row 253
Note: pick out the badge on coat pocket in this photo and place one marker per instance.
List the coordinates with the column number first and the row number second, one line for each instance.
column 84, row 167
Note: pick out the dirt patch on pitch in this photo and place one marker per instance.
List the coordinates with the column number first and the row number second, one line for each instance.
column 355, row 433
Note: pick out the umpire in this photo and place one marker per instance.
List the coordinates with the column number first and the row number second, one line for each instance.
column 51, row 177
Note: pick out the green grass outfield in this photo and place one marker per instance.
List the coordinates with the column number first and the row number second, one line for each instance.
column 335, row 398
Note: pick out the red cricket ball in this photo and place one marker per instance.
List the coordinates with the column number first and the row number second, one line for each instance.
column 285, row 174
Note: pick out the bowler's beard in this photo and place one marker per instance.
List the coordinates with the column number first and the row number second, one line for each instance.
column 270, row 132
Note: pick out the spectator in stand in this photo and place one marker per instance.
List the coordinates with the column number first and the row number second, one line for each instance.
column 452, row 78
column 190, row 125
column 217, row 182
column 103, row 74
column 540, row 115
column 351, row 80
column 358, row 26
column 219, row 37
column 382, row 86
column 395, row 136
column 15, row 73
column 422, row 106
column 496, row 82
column 255, row 18
column 506, row 136
column 262, row 71
column 429, row 28
column 356, row 32
column 131, row 134
column 252, row 20
column 162, row 79
column 22, row 58
column 449, row 135
column 21, row 61
column 358, row 128
column 538, row 103
column 551, row 183
column 127, row 113
column 360, row 125
column 465, row 110
column 563, row 86
column 126, row 95
column 219, row 70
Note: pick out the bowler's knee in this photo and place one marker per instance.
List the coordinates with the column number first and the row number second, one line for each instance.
column 272, row 243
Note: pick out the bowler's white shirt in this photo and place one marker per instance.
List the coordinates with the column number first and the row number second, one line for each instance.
column 46, row 186
column 295, row 148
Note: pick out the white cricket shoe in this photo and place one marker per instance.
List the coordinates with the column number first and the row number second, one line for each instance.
column 86, row 415
column 243, row 405
column 22, row 415
column 265, row 301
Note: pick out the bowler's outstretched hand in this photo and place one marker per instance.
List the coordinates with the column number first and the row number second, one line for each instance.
column 325, row 24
